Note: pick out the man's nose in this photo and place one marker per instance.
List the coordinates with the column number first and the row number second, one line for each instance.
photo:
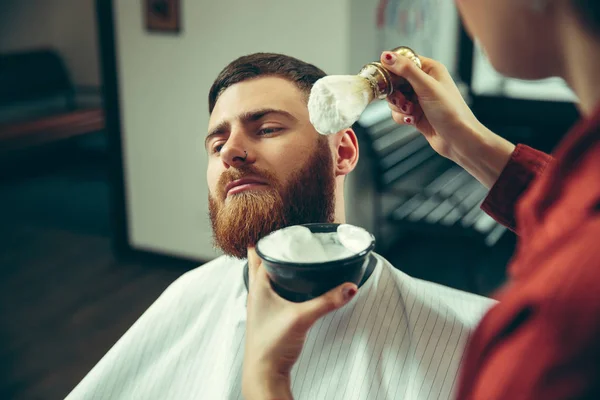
column 234, row 154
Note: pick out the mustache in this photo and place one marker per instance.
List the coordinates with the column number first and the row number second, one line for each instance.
column 233, row 174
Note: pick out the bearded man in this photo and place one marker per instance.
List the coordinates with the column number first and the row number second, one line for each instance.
column 268, row 168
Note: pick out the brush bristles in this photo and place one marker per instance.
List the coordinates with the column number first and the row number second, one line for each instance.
column 337, row 101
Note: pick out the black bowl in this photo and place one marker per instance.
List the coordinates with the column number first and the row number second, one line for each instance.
column 303, row 281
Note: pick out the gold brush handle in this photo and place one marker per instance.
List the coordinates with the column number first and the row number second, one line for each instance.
column 408, row 53
column 397, row 82
column 383, row 82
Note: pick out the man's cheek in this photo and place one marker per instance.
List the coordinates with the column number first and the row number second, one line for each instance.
column 213, row 185
column 212, row 175
column 213, row 193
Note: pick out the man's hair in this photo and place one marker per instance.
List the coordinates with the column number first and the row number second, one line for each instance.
column 302, row 74
column 589, row 10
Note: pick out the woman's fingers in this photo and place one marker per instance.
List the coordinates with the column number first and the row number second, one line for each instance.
column 420, row 81
column 399, row 103
column 403, row 119
column 435, row 69
column 253, row 263
column 308, row 312
column 406, row 114
column 318, row 307
column 257, row 274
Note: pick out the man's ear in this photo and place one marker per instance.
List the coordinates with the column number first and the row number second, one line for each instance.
column 346, row 152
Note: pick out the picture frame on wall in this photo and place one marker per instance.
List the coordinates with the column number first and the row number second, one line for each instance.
column 163, row 15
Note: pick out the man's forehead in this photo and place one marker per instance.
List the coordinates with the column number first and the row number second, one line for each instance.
column 259, row 93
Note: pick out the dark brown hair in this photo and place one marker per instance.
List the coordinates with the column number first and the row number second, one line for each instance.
column 302, row 74
column 589, row 10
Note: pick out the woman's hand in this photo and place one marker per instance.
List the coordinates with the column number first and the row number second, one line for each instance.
column 440, row 113
column 276, row 330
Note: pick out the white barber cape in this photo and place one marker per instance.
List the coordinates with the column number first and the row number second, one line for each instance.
column 399, row 338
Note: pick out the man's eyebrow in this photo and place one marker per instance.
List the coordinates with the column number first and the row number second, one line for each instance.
column 248, row 117
column 255, row 115
column 217, row 130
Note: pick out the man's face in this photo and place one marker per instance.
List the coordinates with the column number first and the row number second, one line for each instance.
column 268, row 168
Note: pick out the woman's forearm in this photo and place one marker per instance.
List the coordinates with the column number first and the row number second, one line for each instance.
column 485, row 156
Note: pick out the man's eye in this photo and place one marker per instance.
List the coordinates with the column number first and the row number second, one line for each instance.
column 217, row 148
column 268, row 131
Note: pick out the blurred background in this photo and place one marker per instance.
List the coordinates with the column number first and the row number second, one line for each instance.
column 103, row 110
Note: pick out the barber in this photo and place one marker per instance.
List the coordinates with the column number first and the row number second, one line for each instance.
column 542, row 341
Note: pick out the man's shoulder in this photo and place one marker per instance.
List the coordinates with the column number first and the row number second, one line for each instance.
column 213, row 269
column 183, row 314
column 464, row 306
column 206, row 277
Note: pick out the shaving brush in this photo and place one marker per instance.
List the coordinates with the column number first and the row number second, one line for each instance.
column 337, row 101
column 381, row 81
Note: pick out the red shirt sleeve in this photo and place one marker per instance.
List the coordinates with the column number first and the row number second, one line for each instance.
column 524, row 166
column 541, row 340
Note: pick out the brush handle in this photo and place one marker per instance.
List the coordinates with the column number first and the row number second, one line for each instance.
column 385, row 83
column 400, row 84
column 408, row 53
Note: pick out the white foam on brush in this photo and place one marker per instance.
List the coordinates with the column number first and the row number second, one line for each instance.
column 298, row 244
column 337, row 101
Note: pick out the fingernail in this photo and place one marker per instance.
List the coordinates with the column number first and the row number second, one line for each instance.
column 389, row 58
column 407, row 108
column 409, row 120
column 348, row 293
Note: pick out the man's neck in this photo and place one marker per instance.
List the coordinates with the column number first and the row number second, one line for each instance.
column 340, row 206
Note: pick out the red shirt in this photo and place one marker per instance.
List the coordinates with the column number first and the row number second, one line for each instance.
column 542, row 341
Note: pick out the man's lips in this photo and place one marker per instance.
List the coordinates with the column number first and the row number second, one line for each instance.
column 240, row 185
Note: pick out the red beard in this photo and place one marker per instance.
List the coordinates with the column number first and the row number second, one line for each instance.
column 309, row 196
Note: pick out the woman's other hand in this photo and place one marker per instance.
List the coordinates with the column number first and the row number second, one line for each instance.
column 438, row 110
column 276, row 330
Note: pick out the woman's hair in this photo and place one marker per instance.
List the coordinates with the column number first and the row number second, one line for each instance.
column 589, row 10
